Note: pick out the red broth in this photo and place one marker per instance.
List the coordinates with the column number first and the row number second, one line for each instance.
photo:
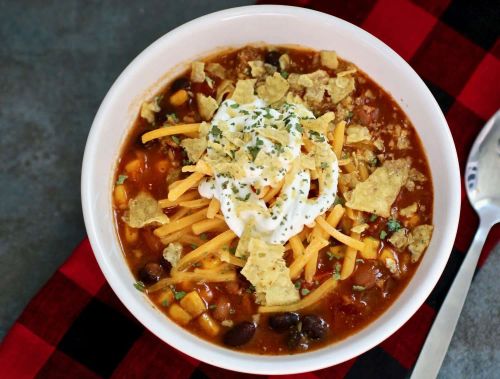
column 356, row 301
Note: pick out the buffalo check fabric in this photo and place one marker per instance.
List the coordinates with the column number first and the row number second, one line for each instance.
column 75, row 327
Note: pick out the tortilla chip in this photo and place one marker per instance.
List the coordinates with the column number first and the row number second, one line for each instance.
column 149, row 109
column 172, row 253
column 329, row 59
column 207, row 106
column 409, row 210
column 277, row 135
column 144, row 210
column 284, row 62
column 267, row 271
column 257, row 68
column 340, row 87
column 377, row 193
column 315, row 84
column 197, row 72
column 420, row 237
column 225, row 88
column 194, row 147
column 274, row 89
column 319, row 124
column 357, row 133
column 244, row 91
column 399, row 239
column 216, row 69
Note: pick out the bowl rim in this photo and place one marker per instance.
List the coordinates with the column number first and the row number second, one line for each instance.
column 211, row 353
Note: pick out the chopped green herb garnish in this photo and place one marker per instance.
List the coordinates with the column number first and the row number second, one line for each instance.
column 304, row 292
column 121, row 179
column 193, row 246
column 234, row 106
column 338, row 200
column 323, row 165
column 336, row 272
column 165, row 303
column 215, row 131
column 254, row 151
column 203, row 236
column 358, row 288
column 232, row 250
column 172, row 117
column 139, row 286
column 176, row 139
column 383, row 234
column 373, row 218
column 298, row 284
column 393, row 225
column 178, row 294
column 284, row 74
column 250, row 289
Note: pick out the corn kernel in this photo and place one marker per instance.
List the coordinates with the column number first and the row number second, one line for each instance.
column 178, row 314
column 162, row 166
column 209, row 325
column 166, row 297
column 193, row 304
column 120, row 195
column 179, row 98
column 131, row 234
column 210, row 262
column 371, row 248
column 133, row 166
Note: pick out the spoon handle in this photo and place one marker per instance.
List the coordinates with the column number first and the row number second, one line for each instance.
column 437, row 342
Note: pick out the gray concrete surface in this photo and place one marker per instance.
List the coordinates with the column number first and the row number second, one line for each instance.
column 57, row 60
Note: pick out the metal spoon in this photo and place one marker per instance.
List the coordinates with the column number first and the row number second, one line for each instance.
column 482, row 182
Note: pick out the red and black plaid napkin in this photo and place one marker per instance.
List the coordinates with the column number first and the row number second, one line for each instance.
column 75, row 327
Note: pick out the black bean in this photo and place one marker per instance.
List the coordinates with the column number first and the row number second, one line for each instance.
column 283, row 321
column 240, row 334
column 296, row 340
column 314, row 327
column 180, row 83
column 150, row 273
column 167, row 266
column 273, row 58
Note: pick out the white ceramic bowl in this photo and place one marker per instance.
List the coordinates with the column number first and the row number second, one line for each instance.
column 274, row 25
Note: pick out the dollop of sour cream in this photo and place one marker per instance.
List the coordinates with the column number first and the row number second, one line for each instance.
column 252, row 148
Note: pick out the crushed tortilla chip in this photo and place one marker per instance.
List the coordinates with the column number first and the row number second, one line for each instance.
column 207, row 106
column 420, row 237
column 172, row 253
column 277, row 135
column 340, row 87
column 399, row 239
column 274, row 88
column 284, row 62
column 194, row 147
column 197, row 72
column 242, row 248
column 357, row 133
column 409, row 210
column 319, row 124
column 377, row 193
column 244, row 91
column 256, row 68
column 149, row 109
column 216, row 69
column 329, row 59
column 267, row 271
column 225, row 88
column 144, row 210
column 359, row 228
column 316, row 84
